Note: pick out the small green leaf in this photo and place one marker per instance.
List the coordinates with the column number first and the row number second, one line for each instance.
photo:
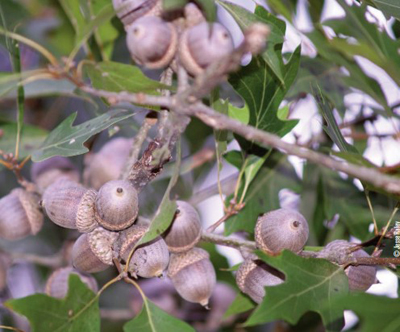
column 208, row 7
column 174, row 4
column 240, row 304
column 240, row 114
column 368, row 308
column 77, row 312
column 67, row 140
column 118, row 77
column 263, row 193
column 153, row 319
column 310, row 284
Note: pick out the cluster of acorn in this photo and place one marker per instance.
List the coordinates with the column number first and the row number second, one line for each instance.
column 287, row 229
column 154, row 41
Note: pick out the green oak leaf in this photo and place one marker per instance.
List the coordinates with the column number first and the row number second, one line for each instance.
column 153, row 319
column 67, row 140
column 310, row 284
column 77, row 312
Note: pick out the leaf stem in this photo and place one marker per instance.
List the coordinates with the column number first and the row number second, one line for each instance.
column 10, row 328
column 387, row 227
column 366, row 191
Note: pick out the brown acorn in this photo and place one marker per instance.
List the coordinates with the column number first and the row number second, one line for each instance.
column 185, row 229
column 101, row 242
column 360, row 277
column 84, row 259
column 254, row 275
column 129, row 11
column 193, row 275
column 46, row 172
column 67, row 203
column 150, row 259
column 281, row 229
column 20, row 215
column 57, row 283
column 117, row 205
column 152, row 42
column 106, row 164
column 201, row 45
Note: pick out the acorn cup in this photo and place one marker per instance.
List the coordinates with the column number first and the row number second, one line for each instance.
column 150, row 259
column 193, row 275
column 20, row 215
column 46, row 172
column 57, row 283
column 98, row 168
column 253, row 275
column 117, row 205
column 203, row 44
column 129, row 11
column 185, row 230
column 281, row 229
column 360, row 277
column 69, row 204
column 152, row 42
column 84, row 259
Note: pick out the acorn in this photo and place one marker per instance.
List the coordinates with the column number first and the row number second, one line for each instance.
column 117, row 205
column 150, row 259
column 129, row 11
column 46, row 172
column 98, row 168
column 281, row 229
column 152, row 42
column 185, row 230
column 67, row 203
column 20, row 215
column 101, row 242
column 254, row 275
column 57, row 283
column 84, row 259
column 202, row 45
column 360, row 277
column 193, row 275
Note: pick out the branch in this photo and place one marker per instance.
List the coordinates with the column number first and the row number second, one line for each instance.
column 220, row 121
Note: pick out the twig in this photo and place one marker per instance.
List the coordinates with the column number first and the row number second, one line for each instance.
column 220, row 121
column 227, row 241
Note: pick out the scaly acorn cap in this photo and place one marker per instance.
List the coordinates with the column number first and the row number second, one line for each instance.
column 85, row 216
column 101, row 242
column 57, row 283
column 281, row 229
column 253, row 275
column 193, row 275
column 83, row 258
column 20, row 215
column 149, row 259
column 185, row 230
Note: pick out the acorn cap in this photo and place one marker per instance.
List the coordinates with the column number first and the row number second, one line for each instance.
column 98, row 168
column 20, row 215
column 117, row 205
column 85, row 216
column 57, row 283
column 193, row 275
column 101, row 242
column 281, row 229
column 185, row 230
column 83, row 258
column 61, row 202
column 253, row 275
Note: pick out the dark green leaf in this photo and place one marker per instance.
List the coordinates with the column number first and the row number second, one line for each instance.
column 117, row 77
column 67, row 140
column 153, row 319
column 263, row 193
column 311, row 285
column 241, row 303
column 208, row 7
column 376, row 313
column 77, row 312
column 174, row 4
column 389, row 7
column 263, row 94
